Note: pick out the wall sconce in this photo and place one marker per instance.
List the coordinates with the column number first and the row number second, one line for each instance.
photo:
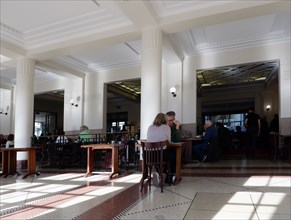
column 72, row 101
column 268, row 107
column 75, row 103
column 173, row 91
column 4, row 113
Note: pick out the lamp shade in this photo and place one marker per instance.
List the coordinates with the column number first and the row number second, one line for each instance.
column 172, row 90
column 268, row 107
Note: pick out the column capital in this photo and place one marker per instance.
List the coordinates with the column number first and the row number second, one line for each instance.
column 152, row 38
column 25, row 64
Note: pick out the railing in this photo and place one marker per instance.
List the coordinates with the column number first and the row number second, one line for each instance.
column 92, row 138
column 65, row 151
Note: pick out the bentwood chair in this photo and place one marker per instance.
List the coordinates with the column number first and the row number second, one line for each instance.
column 152, row 153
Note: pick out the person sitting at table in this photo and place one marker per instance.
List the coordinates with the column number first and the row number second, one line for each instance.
column 2, row 140
column 10, row 141
column 210, row 134
column 85, row 134
column 62, row 139
column 176, row 136
column 175, row 126
column 158, row 131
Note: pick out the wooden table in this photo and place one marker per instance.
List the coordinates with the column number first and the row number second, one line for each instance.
column 90, row 156
column 9, row 161
column 178, row 147
column 189, row 142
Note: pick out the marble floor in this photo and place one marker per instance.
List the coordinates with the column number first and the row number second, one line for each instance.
column 230, row 189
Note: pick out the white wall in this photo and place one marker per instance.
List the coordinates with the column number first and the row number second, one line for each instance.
column 174, row 79
column 72, row 89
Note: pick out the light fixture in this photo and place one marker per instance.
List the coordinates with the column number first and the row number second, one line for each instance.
column 268, row 107
column 173, row 91
column 72, row 101
column 3, row 113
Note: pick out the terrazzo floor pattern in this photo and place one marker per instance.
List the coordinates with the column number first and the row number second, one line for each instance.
column 71, row 196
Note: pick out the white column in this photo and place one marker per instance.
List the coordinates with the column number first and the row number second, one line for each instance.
column 93, row 101
column 285, row 97
column 150, row 77
column 189, row 111
column 24, row 101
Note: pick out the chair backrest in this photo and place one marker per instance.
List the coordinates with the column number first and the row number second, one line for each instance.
column 153, row 151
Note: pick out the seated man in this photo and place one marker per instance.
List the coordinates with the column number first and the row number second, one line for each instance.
column 170, row 154
column 62, row 139
column 210, row 134
column 85, row 134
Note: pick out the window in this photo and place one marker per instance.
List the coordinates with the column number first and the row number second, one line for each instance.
column 115, row 121
column 228, row 120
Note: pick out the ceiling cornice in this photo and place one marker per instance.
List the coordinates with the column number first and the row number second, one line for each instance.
column 11, row 50
column 60, row 69
column 224, row 13
column 238, row 44
column 10, row 34
column 72, row 62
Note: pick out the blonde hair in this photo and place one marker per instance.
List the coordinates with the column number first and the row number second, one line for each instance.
column 160, row 119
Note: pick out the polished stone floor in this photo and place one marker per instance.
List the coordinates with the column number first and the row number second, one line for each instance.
column 230, row 189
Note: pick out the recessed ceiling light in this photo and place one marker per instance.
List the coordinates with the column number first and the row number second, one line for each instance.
column 261, row 78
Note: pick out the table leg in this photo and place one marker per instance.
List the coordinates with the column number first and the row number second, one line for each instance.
column 114, row 161
column 90, row 161
column 31, row 163
column 10, row 164
column 4, row 163
column 178, row 164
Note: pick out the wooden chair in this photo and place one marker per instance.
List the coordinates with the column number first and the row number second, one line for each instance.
column 152, row 157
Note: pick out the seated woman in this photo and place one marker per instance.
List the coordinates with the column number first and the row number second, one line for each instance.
column 158, row 131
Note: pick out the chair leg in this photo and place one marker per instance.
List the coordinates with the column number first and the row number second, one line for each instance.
column 150, row 176
column 161, row 177
column 144, row 176
column 141, row 183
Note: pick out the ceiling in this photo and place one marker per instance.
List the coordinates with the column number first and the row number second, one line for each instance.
column 69, row 38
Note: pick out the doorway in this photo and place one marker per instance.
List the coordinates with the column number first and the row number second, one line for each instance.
column 44, row 123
